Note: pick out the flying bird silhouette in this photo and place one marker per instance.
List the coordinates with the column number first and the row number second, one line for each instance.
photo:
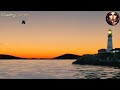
column 23, row 21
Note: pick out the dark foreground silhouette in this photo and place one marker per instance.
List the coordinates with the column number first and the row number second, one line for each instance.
column 106, row 59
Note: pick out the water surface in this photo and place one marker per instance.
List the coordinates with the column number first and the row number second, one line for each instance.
column 54, row 69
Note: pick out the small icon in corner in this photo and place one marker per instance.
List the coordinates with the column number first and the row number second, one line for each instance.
column 112, row 18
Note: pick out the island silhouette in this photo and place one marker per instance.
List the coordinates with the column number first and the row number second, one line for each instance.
column 64, row 56
column 67, row 56
column 4, row 56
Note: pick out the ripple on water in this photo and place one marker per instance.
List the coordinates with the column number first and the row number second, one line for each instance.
column 97, row 72
column 46, row 69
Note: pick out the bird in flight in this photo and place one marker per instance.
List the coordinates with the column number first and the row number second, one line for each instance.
column 23, row 21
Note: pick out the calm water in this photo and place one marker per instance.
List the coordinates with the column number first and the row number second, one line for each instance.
column 53, row 69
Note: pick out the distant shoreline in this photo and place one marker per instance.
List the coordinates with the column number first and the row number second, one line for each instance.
column 33, row 59
column 61, row 57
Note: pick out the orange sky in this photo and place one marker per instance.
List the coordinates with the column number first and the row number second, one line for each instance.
column 48, row 34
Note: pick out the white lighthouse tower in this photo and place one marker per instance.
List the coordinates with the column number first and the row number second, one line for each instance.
column 109, row 43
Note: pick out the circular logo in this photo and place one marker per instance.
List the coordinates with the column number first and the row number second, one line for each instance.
column 112, row 18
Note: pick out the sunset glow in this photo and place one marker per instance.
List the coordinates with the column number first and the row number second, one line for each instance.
column 48, row 34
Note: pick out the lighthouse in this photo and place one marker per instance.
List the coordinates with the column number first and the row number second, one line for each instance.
column 109, row 43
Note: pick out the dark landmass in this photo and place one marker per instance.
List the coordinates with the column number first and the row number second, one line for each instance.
column 67, row 56
column 3, row 56
column 102, row 59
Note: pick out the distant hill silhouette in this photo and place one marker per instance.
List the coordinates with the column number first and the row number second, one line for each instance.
column 67, row 56
column 3, row 56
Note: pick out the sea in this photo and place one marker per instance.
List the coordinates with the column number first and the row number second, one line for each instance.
column 54, row 69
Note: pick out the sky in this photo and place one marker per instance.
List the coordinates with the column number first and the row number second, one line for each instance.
column 48, row 34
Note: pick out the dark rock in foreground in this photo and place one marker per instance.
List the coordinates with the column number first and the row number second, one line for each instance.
column 96, row 60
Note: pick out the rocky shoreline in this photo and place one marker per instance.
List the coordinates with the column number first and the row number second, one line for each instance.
column 99, row 60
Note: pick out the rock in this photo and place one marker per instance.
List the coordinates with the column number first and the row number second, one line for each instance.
column 95, row 60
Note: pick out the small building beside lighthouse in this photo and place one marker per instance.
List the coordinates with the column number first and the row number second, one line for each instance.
column 109, row 42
